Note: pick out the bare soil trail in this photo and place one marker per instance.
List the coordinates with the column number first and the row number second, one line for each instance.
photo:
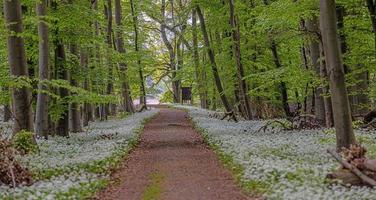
column 172, row 163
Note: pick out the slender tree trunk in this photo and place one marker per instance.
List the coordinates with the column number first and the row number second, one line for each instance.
column 282, row 86
column 210, row 52
column 243, row 92
column 60, row 62
column 22, row 110
column 102, row 107
column 171, row 52
column 136, row 48
column 196, row 57
column 110, row 85
column 340, row 102
column 127, row 99
column 325, row 89
column 75, row 116
column 61, row 72
column 358, row 101
column 313, row 27
column 41, row 121
column 87, row 114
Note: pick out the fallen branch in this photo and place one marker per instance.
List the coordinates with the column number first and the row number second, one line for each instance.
column 352, row 168
column 371, row 123
column 10, row 167
column 284, row 126
column 231, row 115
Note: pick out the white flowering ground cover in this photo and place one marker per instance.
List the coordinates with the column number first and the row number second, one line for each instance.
column 75, row 167
column 281, row 164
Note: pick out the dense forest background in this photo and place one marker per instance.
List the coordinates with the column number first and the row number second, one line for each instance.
column 72, row 62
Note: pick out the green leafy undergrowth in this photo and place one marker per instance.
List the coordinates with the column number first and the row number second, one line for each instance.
column 24, row 142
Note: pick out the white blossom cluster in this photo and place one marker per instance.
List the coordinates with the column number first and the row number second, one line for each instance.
column 5, row 129
column 98, row 142
column 59, row 187
column 287, row 164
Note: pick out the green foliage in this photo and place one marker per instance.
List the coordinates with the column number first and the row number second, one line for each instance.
column 123, row 115
column 167, row 97
column 24, row 142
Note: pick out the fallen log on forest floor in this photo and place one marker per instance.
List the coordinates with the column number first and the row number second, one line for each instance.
column 363, row 177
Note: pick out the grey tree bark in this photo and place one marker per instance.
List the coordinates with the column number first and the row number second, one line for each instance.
column 313, row 27
column 217, row 79
column 62, row 128
column 243, row 92
column 61, row 72
column 282, row 85
column 41, row 118
column 172, row 54
column 87, row 111
column 75, row 115
column 111, row 108
column 21, row 97
column 199, row 71
column 136, row 48
column 127, row 99
column 325, row 89
column 341, row 107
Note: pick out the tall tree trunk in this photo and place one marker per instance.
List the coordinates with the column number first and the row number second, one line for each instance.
column 199, row 72
column 329, row 121
column 87, row 114
column 171, row 51
column 313, row 27
column 127, row 99
column 102, row 107
column 340, row 14
column 340, row 102
column 75, row 116
column 60, row 64
column 21, row 97
column 111, row 108
column 217, row 78
column 282, row 85
column 41, row 118
column 358, row 101
column 62, row 126
column 243, row 92
column 176, row 83
column 136, row 48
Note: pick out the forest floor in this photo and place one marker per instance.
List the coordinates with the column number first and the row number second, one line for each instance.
column 78, row 166
column 172, row 162
column 278, row 163
column 186, row 155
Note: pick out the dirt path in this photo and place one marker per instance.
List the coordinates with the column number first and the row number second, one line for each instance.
column 172, row 163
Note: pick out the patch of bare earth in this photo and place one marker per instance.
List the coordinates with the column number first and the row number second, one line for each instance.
column 171, row 149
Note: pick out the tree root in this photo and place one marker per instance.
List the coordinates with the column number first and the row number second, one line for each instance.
column 143, row 107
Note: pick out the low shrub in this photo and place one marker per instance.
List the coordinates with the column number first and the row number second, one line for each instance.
column 25, row 143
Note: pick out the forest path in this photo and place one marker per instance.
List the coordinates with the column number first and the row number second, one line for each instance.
column 172, row 163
